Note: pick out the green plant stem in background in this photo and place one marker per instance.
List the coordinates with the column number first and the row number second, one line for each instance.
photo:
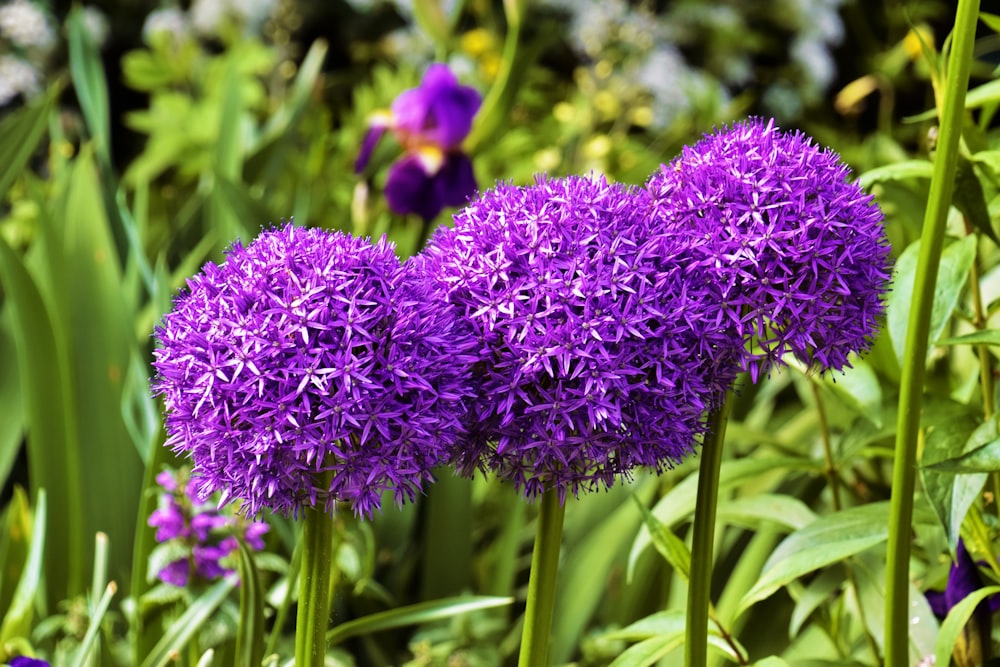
column 542, row 582
column 702, row 544
column 832, row 477
column 912, row 382
column 315, row 579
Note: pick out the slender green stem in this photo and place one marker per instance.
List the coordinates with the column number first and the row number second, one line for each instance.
column 700, row 589
column 912, row 382
column 542, row 583
column 832, row 478
column 315, row 579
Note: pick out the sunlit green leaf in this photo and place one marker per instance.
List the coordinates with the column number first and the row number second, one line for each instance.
column 827, row 540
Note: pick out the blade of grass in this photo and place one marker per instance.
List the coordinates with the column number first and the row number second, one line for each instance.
column 189, row 623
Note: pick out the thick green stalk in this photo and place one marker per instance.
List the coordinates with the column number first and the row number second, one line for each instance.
column 703, row 542
column 542, row 583
column 912, row 382
column 314, row 587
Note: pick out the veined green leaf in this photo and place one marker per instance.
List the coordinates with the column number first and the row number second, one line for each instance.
column 669, row 545
column 896, row 172
column 827, row 540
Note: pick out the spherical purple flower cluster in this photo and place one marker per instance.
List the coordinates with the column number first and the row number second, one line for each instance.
column 311, row 368
column 204, row 535
column 599, row 346
column 800, row 254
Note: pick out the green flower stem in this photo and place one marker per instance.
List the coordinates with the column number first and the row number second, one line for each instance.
column 315, row 579
column 912, row 382
column 542, row 583
column 699, row 591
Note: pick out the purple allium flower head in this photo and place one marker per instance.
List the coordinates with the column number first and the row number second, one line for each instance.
column 802, row 257
column 312, row 368
column 598, row 350
column 430, row 122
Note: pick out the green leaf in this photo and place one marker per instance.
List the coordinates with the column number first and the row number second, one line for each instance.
column 95, row 311
column 414, row 614
column 816, row 593
column 250, row 629
column 669, row 545
column 992, row 21
column 20, row 132
column 11, row 400
column 897, row 171
column 948, row 436
column 750, row 511
column 89, row 641
column 859, row 388
column 17, row 618
column 189, row 623
column 659, row 634
column 956, row 261
column 985, row 337
column 829, row 539
column 678, row 503
column 970, row 200
column 91, row 87
column 955, row 621
column 984, row 459
column 53, row 448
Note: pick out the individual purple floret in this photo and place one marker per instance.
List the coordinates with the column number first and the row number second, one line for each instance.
column 801, row 254
column 430, row 122
column 599, row 349
column 199, row 529
column 310, row 368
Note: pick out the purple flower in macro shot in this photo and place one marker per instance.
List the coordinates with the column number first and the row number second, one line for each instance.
column 205, row 535
column 430, row 122
column 599, row 351
column 311, row 368
column 801, row 255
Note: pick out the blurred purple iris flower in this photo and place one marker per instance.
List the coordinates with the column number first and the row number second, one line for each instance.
column 430, row 122
column 963, row 580
column 22, row 661
column 973, row 645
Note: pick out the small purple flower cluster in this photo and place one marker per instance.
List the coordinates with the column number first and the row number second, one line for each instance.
column 208, row 536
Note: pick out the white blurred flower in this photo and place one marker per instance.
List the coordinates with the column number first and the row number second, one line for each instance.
column 17, row 77
column 170, row 20
column 96, row 24
column 207, row 15
column 26, row 26
column 813, row 57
